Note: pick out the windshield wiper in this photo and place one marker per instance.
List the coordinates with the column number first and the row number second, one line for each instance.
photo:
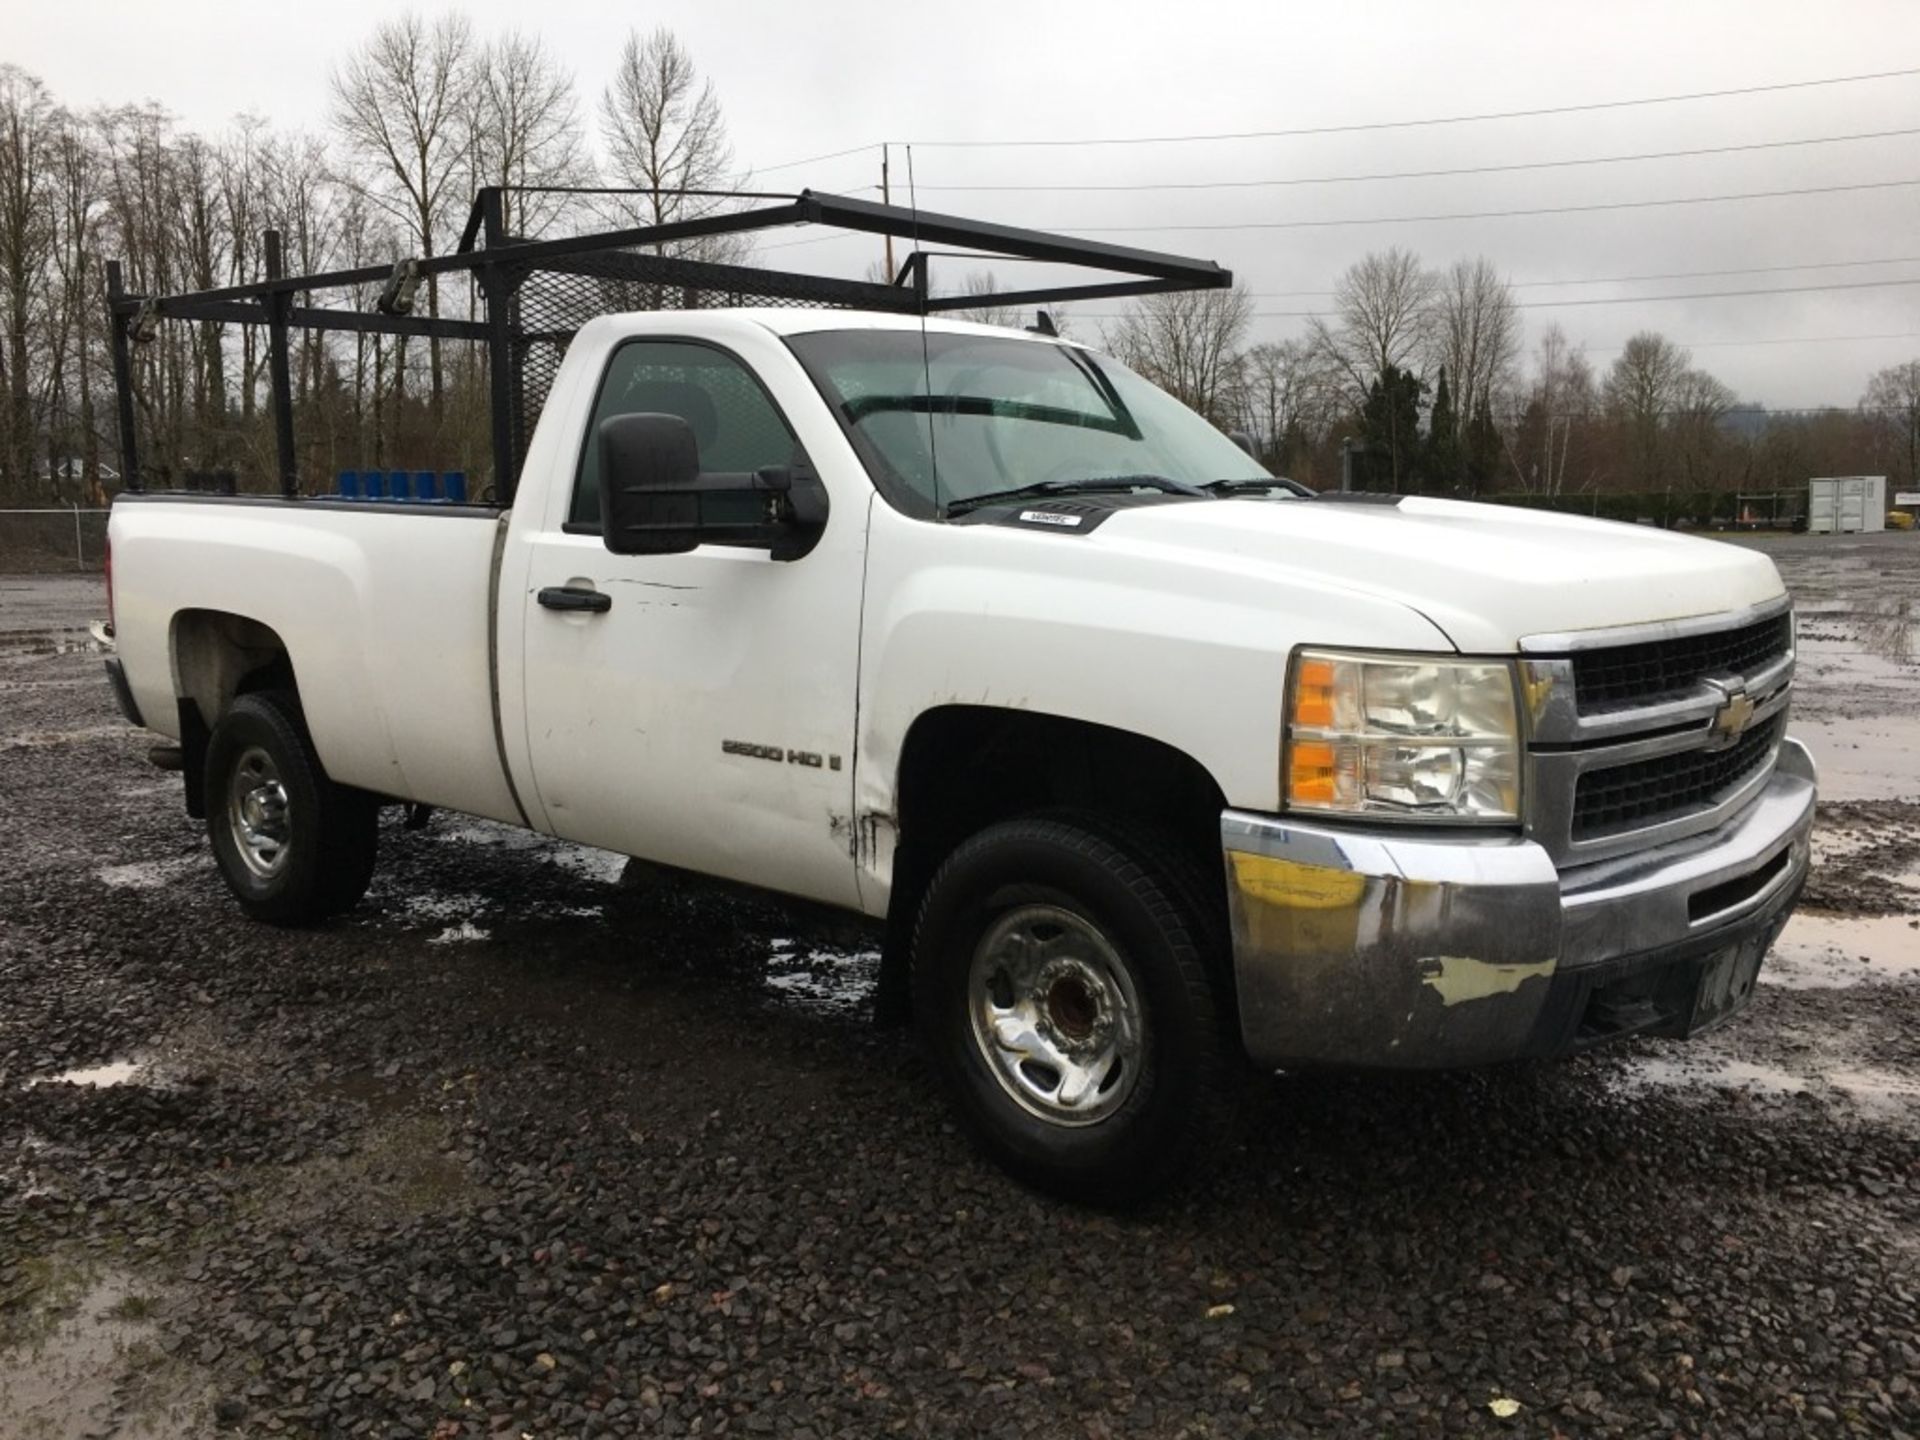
column 1264, row 486
column 1089, row 486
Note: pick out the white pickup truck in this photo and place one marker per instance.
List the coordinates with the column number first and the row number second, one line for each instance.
column 1152, row 765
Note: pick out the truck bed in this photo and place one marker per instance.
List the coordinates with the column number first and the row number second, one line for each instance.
column 385, row 610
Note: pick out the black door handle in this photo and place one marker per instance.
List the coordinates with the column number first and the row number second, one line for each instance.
column 566, row 597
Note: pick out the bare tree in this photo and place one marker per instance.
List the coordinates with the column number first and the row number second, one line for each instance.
column 525, row 131
column 1694, row 436
column 241, row 179
column 1288, row 398
column 400, row 107
column 298, row 199
column 27, row 220
column 1561, row 401
column 984, row 282
column 665, row 135
column 1187, row 342
column 1381, row 306
column 76, row 168
column 1645, row 379
column 204, row 241
column 1641, row 389
column 1892, row 405
column 1473, row 330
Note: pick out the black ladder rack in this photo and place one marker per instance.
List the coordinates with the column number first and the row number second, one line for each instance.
column 534, row 294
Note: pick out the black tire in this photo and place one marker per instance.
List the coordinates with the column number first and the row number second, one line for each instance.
column 1147, row 904
column 331, row 832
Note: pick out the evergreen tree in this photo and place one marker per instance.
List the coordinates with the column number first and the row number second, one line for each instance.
column 1390, row 422
column 1296, row 450
column 1443, row 438
column 1483, row 448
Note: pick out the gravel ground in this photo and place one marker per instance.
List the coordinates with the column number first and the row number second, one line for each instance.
column 526, row 1147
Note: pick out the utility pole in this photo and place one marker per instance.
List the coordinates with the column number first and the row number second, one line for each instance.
column 886, row 198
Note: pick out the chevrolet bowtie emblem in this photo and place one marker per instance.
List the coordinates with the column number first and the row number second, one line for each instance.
column 1732, row 718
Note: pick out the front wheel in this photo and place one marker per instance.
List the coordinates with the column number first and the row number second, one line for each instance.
column 293, row 846
column 1063, row 993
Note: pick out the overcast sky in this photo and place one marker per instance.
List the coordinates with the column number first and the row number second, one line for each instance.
column 798, row 80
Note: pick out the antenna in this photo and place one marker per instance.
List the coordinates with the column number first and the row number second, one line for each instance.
column 923, row 282
column 886, row 198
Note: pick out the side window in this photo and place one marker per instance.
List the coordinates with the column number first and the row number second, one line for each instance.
column 733, row 418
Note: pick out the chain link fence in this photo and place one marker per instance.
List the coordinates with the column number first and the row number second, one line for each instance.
column 52, row 539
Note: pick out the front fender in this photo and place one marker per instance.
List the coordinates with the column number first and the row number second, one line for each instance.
column 1189, row 655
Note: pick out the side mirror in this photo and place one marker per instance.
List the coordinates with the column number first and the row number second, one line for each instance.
column 656, row 500
column 649, row 478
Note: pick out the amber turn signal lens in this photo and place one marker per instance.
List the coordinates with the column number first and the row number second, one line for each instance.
column 1313, row 694
column 1310, row 773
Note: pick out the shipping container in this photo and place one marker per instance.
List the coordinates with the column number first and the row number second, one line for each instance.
column 1847, row 504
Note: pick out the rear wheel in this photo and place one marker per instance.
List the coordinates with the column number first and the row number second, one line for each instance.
column 293, row 846
column 1062, row 988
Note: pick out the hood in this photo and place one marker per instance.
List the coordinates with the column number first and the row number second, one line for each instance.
column 1485, row 574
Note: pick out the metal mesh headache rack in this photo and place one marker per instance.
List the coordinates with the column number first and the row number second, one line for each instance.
column 531, row 296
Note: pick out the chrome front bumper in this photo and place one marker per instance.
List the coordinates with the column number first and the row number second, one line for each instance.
column 1357, row 947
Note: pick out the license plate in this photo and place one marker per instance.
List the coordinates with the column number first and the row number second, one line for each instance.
column 1726, row 984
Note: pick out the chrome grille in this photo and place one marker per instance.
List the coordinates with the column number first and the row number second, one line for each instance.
column 1641, row 735
column 1656, row 670
column 1641, row 792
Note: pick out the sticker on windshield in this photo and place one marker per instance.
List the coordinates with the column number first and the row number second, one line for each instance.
column 1048, row 517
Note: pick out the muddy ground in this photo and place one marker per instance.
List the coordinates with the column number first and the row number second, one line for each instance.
column 520, row 1149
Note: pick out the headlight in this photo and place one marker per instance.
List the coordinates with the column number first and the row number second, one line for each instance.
column 1425, row 739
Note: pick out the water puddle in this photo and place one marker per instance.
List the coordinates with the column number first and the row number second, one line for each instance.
column 602, row 866
column 438, row 909
column 466, row 932
column 96, row 1077
column 824, row 982
column 1878, row 1093
column 145, row 874
column 36, row 643
column 456, row 913
column 1663, row 1071
column 88, row 1363
column 1887, row 629
column 1866, row 758
column 1830, row 952
column 49, row 739
column 459, row 830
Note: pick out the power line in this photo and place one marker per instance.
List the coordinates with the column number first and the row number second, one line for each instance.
column 816, row 159
column 1650, row 299
column 1650, row 276
column 1773, row 340
column 1740, row 408
column 815, row 240
column 1494, row 214
column 1602, row 300
column 1712, row 294
column 1634, row 279
column 1615, row 349
column 1451, row 171
column 1527, row 284
column 1585, row 108
column 1716, row 274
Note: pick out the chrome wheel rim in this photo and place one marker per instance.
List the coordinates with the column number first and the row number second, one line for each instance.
column 1055, row 1015
column 257, row 813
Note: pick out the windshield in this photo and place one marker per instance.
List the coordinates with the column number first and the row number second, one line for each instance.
column 1001, row 414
